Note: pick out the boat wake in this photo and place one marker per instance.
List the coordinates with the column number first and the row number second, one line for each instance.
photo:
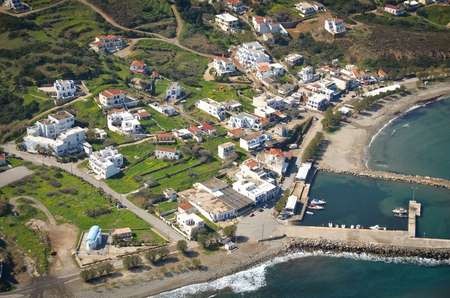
column 254, row 278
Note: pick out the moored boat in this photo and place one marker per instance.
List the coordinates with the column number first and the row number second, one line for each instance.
column 315, row 207
column 318, row 202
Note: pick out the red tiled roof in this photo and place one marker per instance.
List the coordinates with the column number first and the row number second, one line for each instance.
column 233, row 2
column 112, row 92
column 207, row 126
column 185, row 205
column 263, row 67
column 109, row 36
column 165, row 135
column 194, row 129
column 166, row 149
column 251, row 163
column 236, row 132
column 138, row 64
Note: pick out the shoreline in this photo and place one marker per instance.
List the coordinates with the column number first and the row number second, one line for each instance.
column 349, row 147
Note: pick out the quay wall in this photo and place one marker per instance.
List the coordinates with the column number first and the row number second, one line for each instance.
column 390, row 176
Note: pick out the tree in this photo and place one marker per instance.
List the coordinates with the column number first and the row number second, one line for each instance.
column 88, row 274
column 182, row 246
column 157, row 255
column 230, row 231
column 130, row 262
column 197, row 263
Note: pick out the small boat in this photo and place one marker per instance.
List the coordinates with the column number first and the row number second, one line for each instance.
column 315, row 207
column 309, row 213
column 377, row 227
column 399, row 211
column 318, row 202
column 330, row 224
column 352, row 227
column 343, row 226
column 358, row 227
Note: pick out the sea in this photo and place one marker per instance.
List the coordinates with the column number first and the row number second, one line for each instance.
column 417, row 142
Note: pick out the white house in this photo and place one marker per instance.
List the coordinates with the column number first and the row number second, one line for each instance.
column 236, row 6
column 335, row 26
column 252, row 141
column 293, row 59
column 163, row 109
column 14, row 4
column 223, row 66
column 249, row 54
column 174, row 92
column 189, row 223
column 212, row 107
column 269, row 70
column 227, row 23
column 306, row 9
column 170, row 153
column 307, row 74
column 106, row 162
column 226, row 150
column 123, row 122
column 265, row 25
column 138, row 67
column 116, row 98
column 244, row 120
column 56, row 135
column 257, row 190
column 65, row 89
column 108, row 43
column 317, row 102
column 275, row 160
column 395, row 10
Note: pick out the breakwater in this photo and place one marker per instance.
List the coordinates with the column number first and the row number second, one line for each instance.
column 382, row 250
column 391, row 176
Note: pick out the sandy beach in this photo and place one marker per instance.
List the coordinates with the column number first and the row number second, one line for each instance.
column 152, row 282
column 348, row 147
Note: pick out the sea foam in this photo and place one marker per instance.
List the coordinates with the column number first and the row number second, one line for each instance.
column 254, row 278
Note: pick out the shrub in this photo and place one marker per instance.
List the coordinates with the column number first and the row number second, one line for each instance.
column 55, row 183
column 182, row 246
column 130, row 262
column 98, row 211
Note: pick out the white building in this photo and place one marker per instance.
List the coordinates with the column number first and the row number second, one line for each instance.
column 189, row 223
column 55, row 134
column 174, row 92
column 223, row 66
column 212, row 107
column 303, row 171
column 291, row 204
column 250, row 54
column 395, row 10
column 138, row 67
column 164, row 109
column 275, row 160
column 293, row 59
column 14, row 4
column 169, row 153
column 236, row 6
column 269, row 70
column 259, row 191
column 265, row 25
column 65, row 89
column 244, row 120
column 116, row 98
column 108, row 43
column 252, row 141
column 123, row 122
column 317, row 101
column 106, row 162
column 226, row 22
column 335, row 26
column 307, row 74
column 306, row 9
column 226, row 150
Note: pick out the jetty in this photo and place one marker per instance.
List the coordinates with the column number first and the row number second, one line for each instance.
column 414, row 210
column 390, row 176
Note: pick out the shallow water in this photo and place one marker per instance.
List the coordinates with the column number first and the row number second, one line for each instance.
column 415, row 143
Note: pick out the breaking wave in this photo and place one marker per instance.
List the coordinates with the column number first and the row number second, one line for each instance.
column 254, row 278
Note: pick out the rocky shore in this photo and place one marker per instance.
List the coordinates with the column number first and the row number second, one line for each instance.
column 388, row 251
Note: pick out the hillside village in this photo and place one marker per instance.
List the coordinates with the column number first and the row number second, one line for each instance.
column 188, row 155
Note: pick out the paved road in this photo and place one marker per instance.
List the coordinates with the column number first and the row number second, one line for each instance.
column 157, row 224
column 13, row 175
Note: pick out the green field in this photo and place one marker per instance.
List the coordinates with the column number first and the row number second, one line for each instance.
column 166, row 206
column 68, row 198
column 437, row 14
column 15, row 231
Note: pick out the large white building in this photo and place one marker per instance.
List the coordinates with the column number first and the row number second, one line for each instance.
column 307, row 74
column 226, row 150
column 317, row 101
column 189, row 223
column 244, row 120
column 106, row 162
column 269, row 70
column 169, row 153
column 335, row 26
column 64, row 89
column 226, row 22
column 116, row 98
column 252, row 141
column 257, row 190
column 250, row 54
column 275, row 160
column 123, row 122
column 265, row 25
column 212, row 107
column 223, row 66
column 55, row 134
column 174, row 92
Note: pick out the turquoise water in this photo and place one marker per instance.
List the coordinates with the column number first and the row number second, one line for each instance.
column 368, row 202
column 416, row 143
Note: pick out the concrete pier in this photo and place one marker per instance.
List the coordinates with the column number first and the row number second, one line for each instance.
column 414, row 210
